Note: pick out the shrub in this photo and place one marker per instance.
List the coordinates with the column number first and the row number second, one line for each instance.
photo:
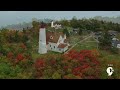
column 39, row 67
column 95, row 52
column 15, row 71
column 10, row 55
column 76, row 65
column 105, row 41
column 24, row 38
column 56, row 75
column 39, row 64
column 48, row 72
column 20, row 57
column 71, row 76
column 3, row 50
column 85, row 59
column 114, row 50
column 6, row 71
column 23, row 46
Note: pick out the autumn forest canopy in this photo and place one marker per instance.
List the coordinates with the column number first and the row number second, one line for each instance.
column 19, row 57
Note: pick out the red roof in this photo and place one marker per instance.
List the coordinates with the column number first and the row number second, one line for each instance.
column 62, row 45
column 66, row 40
column 55, row 36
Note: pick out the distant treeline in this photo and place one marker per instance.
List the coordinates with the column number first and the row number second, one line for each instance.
column 91, row 24
column 97, row 23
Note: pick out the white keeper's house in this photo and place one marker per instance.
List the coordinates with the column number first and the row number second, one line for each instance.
column 52, row 41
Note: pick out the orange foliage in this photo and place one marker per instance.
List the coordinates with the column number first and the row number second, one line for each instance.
column 95, row 52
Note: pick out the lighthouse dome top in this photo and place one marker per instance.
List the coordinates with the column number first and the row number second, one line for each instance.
column 42, row 25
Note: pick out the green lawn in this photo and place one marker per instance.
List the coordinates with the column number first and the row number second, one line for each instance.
column 75, row 38
column 85, row 46
column 88, row 44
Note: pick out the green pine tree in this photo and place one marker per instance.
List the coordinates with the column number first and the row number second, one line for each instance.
column 105, row 41
column 65, row 31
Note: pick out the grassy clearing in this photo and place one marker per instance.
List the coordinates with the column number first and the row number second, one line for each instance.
column 86, row 45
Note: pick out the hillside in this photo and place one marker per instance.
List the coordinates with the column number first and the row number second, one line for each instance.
column 20, row 26
column 109, row 19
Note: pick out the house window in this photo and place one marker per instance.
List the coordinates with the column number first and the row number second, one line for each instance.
column 59, row 49
column 50, row 45
column 54, row 46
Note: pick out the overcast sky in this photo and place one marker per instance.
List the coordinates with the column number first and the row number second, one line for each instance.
column 13, row 17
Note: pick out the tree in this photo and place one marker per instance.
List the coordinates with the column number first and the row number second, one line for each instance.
column 74, row 22
column 65, row 22
column 35, row 24
column 65, row 31
column 105, row 41
column 80, row 32
column 16, row 37
column 24, row 31
column 25, row 38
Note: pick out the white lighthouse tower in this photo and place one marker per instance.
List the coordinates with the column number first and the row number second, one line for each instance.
column 42, row 40
column 52, row 25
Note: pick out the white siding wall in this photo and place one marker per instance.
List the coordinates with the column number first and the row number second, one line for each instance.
column 60, row 39
column 56, row 49
column 65, row 48
column 60, row 50
column 65, row 36
column 52, row 46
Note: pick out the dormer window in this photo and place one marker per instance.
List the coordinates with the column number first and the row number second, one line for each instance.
column 51, row 37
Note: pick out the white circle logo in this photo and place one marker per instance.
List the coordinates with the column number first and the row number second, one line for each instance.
column 110, row 71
